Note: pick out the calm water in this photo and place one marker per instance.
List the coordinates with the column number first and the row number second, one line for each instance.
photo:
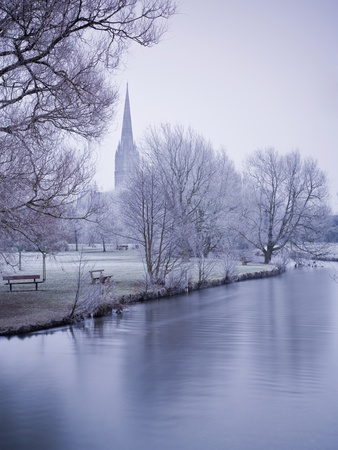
column 251, row 366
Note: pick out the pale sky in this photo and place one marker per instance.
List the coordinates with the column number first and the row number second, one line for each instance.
column 246, row 74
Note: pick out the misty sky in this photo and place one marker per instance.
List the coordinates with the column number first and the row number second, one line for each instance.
column 246, row 74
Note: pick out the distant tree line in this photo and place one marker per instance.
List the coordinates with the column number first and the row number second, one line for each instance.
column 332, row 232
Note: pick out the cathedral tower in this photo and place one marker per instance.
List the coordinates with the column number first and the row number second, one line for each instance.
column 126, row 155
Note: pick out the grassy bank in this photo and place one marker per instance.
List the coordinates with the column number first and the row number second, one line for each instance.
column 54, row 299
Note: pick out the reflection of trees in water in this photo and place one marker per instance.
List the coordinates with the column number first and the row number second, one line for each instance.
column 295, row 314
column 190, row 342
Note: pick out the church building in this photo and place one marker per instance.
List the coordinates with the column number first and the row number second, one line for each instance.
column 126, row 156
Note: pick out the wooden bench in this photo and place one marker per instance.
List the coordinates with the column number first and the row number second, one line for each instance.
column 97, row 276
column 245, row 261
column 21, row 279
column 122, row 247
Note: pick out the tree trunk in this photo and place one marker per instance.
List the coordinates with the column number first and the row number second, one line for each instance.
column 268, row 254
column 44, row 272
column 76, row 241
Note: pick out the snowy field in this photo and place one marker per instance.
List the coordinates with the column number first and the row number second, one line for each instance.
column 55, row 296
column 124, row 266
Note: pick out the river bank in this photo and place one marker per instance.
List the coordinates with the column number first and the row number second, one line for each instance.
column 25, row 310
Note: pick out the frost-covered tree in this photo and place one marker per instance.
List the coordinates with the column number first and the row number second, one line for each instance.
column 57, row 58
column 198, row 183
column 101, row 227
column 182, row 200
column 147, row 221
column 285, row 202
column 39, row 184
column 55, row 54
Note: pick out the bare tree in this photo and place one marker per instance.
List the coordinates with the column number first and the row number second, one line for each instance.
column 199, row 185
column 56, row 94
column 38, row 185
column 147, row 221
column 285, row 202
column 101, row 227
column 54, row 55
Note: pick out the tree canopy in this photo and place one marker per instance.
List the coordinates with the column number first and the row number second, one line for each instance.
column 54, row 55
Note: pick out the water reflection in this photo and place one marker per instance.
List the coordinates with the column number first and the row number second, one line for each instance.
column 252, row 365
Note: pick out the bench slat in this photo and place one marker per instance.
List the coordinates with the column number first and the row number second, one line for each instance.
column 21, row 277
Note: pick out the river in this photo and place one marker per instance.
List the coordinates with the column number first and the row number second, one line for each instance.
column 252, row 365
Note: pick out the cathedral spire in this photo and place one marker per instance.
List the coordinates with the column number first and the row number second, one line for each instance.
column 126, row 155
column 127, row 131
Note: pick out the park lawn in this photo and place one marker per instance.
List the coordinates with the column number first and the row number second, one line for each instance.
column 55, row 297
